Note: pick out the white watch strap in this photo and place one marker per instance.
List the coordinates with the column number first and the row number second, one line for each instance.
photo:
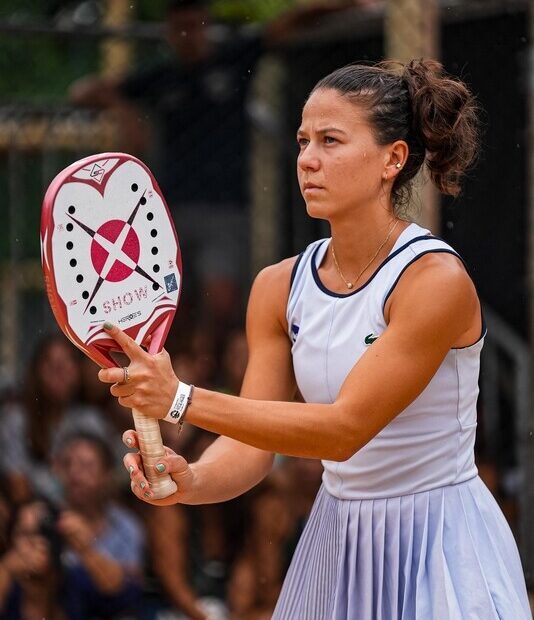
column 180, row 403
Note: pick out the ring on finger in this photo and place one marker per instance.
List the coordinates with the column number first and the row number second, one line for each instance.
column 126, row 378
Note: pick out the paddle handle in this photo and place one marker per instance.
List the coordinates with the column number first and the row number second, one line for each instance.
column 151, row 449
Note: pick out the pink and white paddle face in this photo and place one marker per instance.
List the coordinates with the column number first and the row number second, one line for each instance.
column 110, row 253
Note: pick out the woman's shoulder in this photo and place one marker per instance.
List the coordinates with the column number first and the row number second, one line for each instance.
column 434, row 266
column 437, row 285
column 269, row 296
column 276, row 276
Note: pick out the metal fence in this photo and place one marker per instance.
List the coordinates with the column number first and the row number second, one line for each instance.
column 506, row 430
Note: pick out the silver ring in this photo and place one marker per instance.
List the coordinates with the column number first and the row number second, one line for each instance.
column 126, row 377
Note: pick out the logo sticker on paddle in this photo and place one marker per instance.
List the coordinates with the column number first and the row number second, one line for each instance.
column 109, row 253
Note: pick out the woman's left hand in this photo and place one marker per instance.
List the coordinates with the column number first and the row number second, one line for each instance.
column 151, row 383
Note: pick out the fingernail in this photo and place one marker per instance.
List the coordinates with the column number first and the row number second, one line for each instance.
column 160, row 467
column 142, row 484
column 108, row 325
column 129, row 441
column 147, row 494
column 131, row 468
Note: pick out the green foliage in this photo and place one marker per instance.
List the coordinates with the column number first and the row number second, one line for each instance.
column 40, row 68
column 249, row 10
column 236, row 11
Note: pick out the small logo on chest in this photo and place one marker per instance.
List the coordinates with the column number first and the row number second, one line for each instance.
column 370, row 338
column 294, row 332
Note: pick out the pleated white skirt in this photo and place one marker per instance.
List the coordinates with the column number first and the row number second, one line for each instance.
column 442, row 554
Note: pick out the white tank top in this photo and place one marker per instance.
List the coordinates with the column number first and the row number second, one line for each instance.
column 430, row 443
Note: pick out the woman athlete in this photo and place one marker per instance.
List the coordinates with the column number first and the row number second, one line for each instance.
column 380, row 329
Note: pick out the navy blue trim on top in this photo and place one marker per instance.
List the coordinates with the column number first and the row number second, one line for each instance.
column 294, row 270
column 483, row 333
column 415, row 258
column 382, row 264
column 437, row 251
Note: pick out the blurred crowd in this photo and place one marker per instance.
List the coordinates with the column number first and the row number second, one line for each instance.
column 74, row 542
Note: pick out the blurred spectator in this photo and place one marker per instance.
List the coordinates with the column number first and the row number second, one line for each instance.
column 192, row 548
column 174, row 546
column 29, row 576
column 196, row 104
column 5, row 516
column 102, row 542
column 95, row 394
column 48, row 409
column 303, row 478
column 81, row 561
column 234, row 362
column 258, row 572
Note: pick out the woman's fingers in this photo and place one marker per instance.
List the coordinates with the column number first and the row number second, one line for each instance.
column 139, row 483
column 127, row 344
column 172, row 464
column 130, row 348
column 111, row 375
column 129, row 438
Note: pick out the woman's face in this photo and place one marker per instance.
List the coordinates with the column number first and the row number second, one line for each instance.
column 340, row 166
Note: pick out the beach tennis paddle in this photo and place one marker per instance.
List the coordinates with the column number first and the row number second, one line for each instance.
column 110, row 253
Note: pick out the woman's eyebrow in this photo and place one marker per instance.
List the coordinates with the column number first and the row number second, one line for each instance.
column 323, row 131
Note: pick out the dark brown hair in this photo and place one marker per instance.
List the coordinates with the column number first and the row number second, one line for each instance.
column 435, row 114
column 43, row 413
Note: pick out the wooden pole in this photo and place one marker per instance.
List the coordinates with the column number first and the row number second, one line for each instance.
column 116, row 53
column 412, row 31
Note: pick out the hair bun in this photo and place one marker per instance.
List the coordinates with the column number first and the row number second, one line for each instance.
column 445, row 120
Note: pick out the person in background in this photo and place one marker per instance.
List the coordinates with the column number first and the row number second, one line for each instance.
column 191, row 549
column 102, row 554
column 258, row 572
column 30, row 578
column 233, row 362
column 196, row 103
column 92, row 395
column 48, row 408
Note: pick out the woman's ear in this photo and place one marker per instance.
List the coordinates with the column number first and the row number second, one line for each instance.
column 395, row 159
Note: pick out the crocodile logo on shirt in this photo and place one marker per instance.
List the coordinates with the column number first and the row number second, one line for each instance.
column 370, row 338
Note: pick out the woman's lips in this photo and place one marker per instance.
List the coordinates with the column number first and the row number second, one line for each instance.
column 310, row 188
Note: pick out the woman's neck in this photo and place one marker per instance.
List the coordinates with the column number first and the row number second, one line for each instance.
column 359, row 245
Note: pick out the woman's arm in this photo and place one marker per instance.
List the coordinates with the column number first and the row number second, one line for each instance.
column 432, row 308
column 228, row 467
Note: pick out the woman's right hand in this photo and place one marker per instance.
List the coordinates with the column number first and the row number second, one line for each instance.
column 173, row 464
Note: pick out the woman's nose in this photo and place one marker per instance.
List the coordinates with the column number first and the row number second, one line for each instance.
column 308, row 159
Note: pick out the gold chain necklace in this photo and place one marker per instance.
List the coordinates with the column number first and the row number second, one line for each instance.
column 350, row 284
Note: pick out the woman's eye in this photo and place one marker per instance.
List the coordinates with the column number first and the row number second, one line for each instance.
column 302, row 142
column 329, row 140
